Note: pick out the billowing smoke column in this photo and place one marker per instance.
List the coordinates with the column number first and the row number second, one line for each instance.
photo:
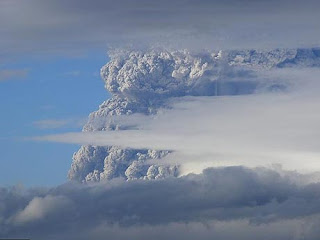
column 142, row 81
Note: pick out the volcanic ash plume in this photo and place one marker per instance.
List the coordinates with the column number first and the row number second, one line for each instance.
column 142, row 82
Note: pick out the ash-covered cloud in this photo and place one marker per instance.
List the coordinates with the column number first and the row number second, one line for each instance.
column 69, row 26
column 256, row 201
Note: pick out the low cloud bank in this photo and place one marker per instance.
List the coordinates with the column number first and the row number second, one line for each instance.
column 251, row 200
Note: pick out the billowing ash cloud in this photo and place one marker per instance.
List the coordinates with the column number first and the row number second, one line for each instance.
column 145, row 82
column 257, row 201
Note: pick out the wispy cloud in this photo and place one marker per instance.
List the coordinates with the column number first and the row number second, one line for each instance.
column 74, row 73
column 59, row 123
column 251, row 130
column 13, row 74
column 50, row 123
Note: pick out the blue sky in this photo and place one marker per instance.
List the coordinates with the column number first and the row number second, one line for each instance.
column 56, row 88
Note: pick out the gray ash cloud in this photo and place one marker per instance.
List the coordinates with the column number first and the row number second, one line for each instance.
column 142, row 82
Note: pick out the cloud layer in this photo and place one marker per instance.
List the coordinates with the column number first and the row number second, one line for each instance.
column 59, row 26
column 252, row 201
column 252, row 130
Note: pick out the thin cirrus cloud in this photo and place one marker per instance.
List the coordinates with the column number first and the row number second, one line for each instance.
column 58, row 123
column 13, row 74
column 58, row 26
